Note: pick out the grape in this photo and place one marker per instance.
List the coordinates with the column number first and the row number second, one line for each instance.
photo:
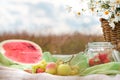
column 75, row 70
column 41, row 65
column 43, row 62
column 59, row 61
column 34, row 68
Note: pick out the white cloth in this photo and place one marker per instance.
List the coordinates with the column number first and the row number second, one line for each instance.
column 14, row 74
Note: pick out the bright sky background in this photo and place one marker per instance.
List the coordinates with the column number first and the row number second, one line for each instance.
column 45, row 17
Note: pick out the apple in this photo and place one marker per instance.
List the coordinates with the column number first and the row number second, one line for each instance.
column 51, row 68
column 64, row 69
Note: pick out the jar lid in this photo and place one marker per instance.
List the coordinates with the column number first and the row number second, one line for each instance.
column 100, row 44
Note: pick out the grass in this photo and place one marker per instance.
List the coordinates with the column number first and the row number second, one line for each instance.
column 62, row 44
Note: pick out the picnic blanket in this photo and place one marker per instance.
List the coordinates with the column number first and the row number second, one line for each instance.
column 15, row 74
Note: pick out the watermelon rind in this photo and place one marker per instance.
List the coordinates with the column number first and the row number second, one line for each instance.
column 6, row 61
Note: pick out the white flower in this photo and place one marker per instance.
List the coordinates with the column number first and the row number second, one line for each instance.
column 112, row 24
column 109, row 9
column 106, row 9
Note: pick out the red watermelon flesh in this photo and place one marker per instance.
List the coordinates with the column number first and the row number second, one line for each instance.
column 22, row 51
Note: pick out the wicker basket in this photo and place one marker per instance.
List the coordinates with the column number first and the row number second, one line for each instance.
column 111, row 34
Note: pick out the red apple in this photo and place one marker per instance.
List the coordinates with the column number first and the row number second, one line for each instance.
column 51, row 68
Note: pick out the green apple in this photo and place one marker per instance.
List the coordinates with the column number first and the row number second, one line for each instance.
column 64, row 69
column 51, row 68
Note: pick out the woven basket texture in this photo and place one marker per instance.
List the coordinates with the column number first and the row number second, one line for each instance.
column 111, row 34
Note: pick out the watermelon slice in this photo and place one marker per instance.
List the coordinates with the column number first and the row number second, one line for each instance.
column 21, row 51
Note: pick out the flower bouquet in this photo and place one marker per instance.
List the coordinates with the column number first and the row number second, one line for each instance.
column 109, row 11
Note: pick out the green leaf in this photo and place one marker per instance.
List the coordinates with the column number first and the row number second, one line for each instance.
column 64, row 58
column 81, row 60
column 105, row 6
column 47, row 56
column 107, row 68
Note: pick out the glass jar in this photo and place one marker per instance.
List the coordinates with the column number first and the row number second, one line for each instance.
column 99, row 53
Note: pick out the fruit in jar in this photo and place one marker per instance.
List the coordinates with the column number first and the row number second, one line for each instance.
column 104, row 57
column 94, row 61
column 91, row 62
column 99, row 59
column 106, row 60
